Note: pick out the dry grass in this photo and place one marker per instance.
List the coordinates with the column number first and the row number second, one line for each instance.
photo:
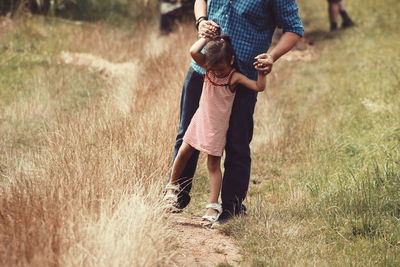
column 81, row 185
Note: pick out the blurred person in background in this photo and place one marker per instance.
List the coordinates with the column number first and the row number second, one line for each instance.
column 172, row 11
column 335, row 8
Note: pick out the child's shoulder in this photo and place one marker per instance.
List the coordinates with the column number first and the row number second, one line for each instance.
column 236, row 77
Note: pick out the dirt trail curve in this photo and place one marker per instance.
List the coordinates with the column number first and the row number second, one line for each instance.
column 200, row 246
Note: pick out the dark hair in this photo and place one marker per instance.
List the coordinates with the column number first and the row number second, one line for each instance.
column 218, row 50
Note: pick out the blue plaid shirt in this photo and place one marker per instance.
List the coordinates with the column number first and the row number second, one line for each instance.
column 251, row 25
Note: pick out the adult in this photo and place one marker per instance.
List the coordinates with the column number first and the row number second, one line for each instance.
column 250, row 24
column 336, row 7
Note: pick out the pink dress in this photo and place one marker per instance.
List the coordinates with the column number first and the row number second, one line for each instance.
column 209, row 125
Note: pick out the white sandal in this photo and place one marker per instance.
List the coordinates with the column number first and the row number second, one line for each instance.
column 171, row 199
column 213, row 218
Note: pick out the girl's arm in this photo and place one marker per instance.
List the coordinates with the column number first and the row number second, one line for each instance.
column 195, row 51
column 257, row 86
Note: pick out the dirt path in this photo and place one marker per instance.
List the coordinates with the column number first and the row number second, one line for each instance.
column 201, row 246
column 121, row 76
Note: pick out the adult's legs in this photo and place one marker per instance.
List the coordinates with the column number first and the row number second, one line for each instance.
column 347, row 21
column 238, row 159
column 335, row 8
column 190, row 98
column 333, row 11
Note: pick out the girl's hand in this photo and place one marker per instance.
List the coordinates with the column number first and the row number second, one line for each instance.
column 208, row 29
column 264, row 63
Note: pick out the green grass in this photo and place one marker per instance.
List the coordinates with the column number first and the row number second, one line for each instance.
column 337, row 197
column 115, row 12
column 28, row 57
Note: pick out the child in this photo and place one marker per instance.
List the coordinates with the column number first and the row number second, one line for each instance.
column 209, row 125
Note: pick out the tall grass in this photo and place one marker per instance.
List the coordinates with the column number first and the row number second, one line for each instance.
column 81, row 180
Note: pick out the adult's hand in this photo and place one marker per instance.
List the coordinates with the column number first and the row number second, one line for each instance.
column 208, row 29
column 264, row 63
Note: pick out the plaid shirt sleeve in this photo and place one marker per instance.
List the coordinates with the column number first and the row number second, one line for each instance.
column 287, row 16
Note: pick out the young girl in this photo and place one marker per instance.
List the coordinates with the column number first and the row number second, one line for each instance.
column 209, row 125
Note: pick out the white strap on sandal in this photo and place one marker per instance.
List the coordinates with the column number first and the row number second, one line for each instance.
column 214, row 206
column 172, row 187
column 172, row 196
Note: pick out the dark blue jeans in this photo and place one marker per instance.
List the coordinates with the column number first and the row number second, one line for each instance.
column 237, row 160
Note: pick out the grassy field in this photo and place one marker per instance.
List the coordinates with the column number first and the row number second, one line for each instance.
column 327, row 189
column 85, row 150
column 86, row 145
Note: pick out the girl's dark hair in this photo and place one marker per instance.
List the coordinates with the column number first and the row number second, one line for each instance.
column 218, row 50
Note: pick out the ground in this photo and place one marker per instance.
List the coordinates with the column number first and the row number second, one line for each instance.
column 201, row 246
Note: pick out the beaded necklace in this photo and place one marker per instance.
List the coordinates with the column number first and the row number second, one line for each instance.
column 207, row 77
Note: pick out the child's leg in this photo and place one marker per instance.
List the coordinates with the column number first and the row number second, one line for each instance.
column 184, row 153
column 214, row 170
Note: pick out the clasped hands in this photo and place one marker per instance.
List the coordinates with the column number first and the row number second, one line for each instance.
column 263, row 62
